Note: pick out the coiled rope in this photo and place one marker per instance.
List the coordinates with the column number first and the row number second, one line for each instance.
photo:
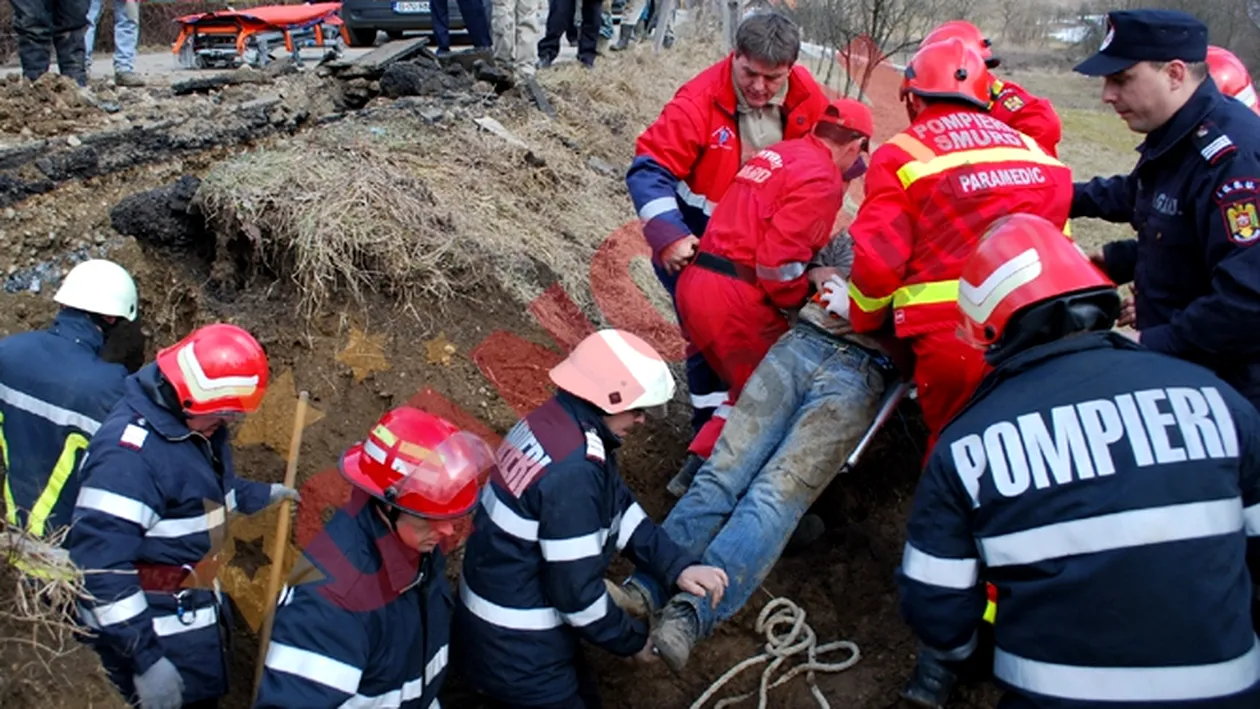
column 780, row 647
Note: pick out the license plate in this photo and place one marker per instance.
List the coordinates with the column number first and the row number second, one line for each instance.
column 410, row 8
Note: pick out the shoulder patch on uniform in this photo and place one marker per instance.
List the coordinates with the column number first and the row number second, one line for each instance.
column 1239, row 200
column 594, row 446
column 1242, row 222
column 133, row 437
column 1211, row 143
column 1013, row 103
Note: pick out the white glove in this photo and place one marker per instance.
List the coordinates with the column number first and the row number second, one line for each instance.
column 835, row 297
column 280, row 492
column 160, row 686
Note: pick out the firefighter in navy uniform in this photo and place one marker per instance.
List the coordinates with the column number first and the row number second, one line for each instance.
column 365, row 617
column 1194, row 196
column 55, row 390
column 552, row 516
column 1107, row 491
column 159, row 491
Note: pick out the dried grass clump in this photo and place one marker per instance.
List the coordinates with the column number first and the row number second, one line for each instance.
column 335, row 216
column 39, row 589
column 384, row 201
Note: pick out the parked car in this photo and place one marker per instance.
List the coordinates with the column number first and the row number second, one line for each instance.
column 364, row 18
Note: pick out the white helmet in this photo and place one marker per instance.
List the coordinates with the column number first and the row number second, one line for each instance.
column 101, row 287
column 616, row 371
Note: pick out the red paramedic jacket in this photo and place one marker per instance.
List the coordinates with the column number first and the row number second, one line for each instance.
column 686, row 159
column 1031, row 115
column 931, row 192
column 777, row 214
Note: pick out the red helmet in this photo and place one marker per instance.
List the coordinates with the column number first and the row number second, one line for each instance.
column 947, row 69
column 1022, row 260
column 1231, row 76
column 969, row 34
column 218, row 370
column 420, row 464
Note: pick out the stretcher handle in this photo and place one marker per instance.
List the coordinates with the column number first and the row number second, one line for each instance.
column 892, row 398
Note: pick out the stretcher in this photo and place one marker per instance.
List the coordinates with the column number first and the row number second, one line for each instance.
column 230, row 38
column 892, row 397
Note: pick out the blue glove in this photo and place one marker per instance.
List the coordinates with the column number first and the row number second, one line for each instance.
column 160, row 686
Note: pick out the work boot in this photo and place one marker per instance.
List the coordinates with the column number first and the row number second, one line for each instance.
column 678, row 486
column 675, row 634
column 630, row 597
column 128, row 79
column 809, row 530
column 930, row 684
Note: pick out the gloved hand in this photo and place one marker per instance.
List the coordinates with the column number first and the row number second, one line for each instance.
column 835, row 297
column 160, row 686
column 280, row 492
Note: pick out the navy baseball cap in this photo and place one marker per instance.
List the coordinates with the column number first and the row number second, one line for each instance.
column 1146, row 35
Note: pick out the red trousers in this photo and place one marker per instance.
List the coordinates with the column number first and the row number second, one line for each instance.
column 733, row 325
column 946, row 373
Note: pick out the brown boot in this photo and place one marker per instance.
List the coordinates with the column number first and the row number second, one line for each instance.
column 128, row 79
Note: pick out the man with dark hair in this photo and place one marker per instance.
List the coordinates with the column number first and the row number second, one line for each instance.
column 1194, row 196
column 60, row 24
column 685, row 160
column 1108, row 492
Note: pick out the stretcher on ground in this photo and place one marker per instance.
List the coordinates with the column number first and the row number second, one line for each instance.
column 230, row 38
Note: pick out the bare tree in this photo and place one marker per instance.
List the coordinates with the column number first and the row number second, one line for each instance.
column 859, row 34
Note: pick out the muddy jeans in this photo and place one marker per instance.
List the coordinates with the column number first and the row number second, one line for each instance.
column 800, row 415
column 40, row 24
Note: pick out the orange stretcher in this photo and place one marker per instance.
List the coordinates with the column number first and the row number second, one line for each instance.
column 230, row 38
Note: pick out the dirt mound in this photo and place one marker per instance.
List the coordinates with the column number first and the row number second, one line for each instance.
column 50, row 105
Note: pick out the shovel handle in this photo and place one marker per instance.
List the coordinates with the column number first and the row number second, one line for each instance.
column 281, row 541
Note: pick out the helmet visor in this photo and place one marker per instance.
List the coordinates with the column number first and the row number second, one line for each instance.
column 446, row 478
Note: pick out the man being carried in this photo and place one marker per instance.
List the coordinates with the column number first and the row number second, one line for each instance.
column 753, row 261
column 803, row 411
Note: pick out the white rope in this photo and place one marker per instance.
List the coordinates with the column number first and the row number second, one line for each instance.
column 780, row 647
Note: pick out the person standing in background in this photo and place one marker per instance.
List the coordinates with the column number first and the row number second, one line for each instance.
column 39, row 23
column 475, row 21
column 126, row 38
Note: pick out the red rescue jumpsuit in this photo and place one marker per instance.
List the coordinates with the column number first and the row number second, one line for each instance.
column 775, row 216
column 1031, row 115
column 931, row 192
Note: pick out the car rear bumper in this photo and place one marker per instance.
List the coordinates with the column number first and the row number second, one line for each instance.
column 381, row 15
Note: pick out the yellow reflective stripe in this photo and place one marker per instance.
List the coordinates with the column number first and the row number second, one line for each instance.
column 10, row 507
column 866, row 303
column 413, row 450
column 387, row 436
column 915, row 148
column 990, row 612
column 61, row 473
column 928, row 293
column 1067, row 229
column 916, row 170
